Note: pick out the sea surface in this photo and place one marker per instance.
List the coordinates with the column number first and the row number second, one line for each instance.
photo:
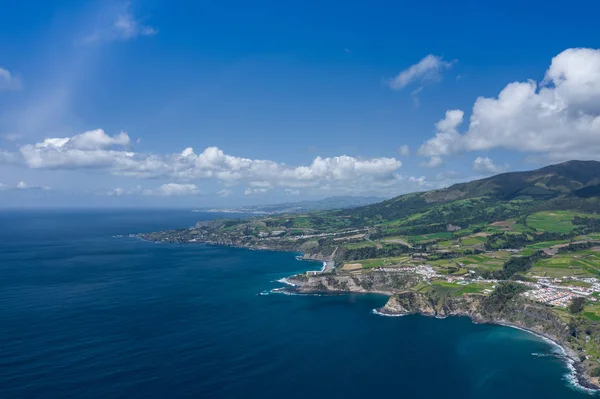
column 88, row 312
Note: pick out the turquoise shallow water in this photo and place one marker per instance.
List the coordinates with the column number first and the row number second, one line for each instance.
column 85, row 314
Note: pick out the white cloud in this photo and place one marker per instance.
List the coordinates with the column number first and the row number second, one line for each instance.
column 8, row 81
column 433, row 162
column 419, row 181
column 125, row 26
column 174, row 189
column 254, row 191
column 114, row 154
column 404, row 150
column 486, row 166
column 429, row 69
column 289, row 191
column 117, row 192
column 97, row 139
column 558, row 119
column 92, row 149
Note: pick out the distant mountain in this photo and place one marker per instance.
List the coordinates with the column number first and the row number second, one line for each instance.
column 555, row 184
column 545, row 183
column 331, row 203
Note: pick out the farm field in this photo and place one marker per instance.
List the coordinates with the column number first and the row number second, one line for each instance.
column 581, row 264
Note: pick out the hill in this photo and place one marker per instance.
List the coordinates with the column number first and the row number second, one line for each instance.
column 573, row 179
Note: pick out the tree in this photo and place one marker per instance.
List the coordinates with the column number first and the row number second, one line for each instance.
column 576, row 305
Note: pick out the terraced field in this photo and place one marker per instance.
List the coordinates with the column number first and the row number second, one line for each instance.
column 582, row 264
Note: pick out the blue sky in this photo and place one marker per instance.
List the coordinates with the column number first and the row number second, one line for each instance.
column 156, row 103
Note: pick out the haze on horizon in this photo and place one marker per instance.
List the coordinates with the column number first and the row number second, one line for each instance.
column 119, row 104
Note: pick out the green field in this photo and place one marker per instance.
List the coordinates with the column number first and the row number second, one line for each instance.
column 430, row 237
column 553, row 221
column 362, row 244
column 483, row 262
column 583, row 263
column 473, row 241
column 453, row 289
column 381, row 262
column 546, row 244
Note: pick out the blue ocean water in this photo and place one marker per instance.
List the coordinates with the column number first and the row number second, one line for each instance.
column 84, row 314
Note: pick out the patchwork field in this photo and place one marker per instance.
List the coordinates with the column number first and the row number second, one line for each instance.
column 583, row 263
column 382, row 262
column 420, row 239
column 553, row 221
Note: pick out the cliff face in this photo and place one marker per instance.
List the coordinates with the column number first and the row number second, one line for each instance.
column 370, row 282
column 518, row 312
column 504, row 305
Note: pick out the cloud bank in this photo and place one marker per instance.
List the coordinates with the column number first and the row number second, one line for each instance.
column 97, row 150
column 557, row 119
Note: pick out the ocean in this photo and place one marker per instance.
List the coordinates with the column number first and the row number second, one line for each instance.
column 88, row 312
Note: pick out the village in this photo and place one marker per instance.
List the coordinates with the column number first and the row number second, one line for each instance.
column 556, row 292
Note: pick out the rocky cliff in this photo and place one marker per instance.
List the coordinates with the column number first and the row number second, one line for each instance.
column 379, row 282
column 516, row 311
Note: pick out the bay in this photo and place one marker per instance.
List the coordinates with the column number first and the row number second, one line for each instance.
column 88, row 312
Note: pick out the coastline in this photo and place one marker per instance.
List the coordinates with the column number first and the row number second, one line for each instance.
column 577, row 375
column 577, row 370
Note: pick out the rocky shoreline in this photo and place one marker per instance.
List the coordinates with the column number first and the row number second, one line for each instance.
column 579, row 369
column 526, row 316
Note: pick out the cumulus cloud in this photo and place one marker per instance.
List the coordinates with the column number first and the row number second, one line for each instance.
column 486, row 166
column 446, row 137
column 117, row 192
column 433, row 162
column 125, row 26
column 429, row 69
column 418, row 181
column 289, row 191
column 91, row 149
column 115, row 155
column 175, row 189
column 8, row 81
column 558, row 119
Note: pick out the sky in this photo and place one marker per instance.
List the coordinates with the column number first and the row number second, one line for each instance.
column 225, row 103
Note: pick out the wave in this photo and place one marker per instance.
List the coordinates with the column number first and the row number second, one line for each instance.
column 559, row 351
column 285, row 291
column 378, row 313
column 573, row 381
column 286, row 282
